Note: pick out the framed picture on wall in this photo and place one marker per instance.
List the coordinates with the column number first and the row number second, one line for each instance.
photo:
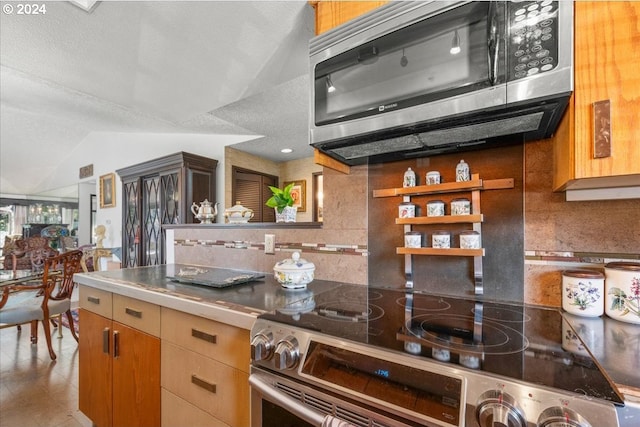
column 108, row 191
column 299, row 194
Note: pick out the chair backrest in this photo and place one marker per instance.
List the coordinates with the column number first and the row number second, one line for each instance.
column 58, row 274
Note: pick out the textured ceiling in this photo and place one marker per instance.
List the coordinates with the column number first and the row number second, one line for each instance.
column 212, row 67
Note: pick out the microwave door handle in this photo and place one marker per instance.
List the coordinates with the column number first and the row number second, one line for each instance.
column 493, row 42
column 290, row 404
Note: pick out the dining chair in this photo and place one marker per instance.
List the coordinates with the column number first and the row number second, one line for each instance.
column 30, row 303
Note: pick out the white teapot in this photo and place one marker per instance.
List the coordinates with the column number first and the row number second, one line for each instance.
column 206, row 212
column 238, row 214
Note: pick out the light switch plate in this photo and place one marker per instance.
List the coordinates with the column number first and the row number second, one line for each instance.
column 269, row 243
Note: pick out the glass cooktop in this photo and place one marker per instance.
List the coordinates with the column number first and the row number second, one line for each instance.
column 528, row 343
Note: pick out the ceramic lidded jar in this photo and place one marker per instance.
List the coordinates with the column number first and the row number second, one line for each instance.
column 583, row 292
column 622, row 285
column 238, row 214
column 295, row 272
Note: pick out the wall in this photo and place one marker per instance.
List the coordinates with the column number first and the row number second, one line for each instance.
column 338, row 248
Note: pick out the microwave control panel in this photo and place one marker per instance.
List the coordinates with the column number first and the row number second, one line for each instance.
column 533, row 38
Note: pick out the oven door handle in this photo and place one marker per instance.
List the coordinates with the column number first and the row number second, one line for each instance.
column 290, row 404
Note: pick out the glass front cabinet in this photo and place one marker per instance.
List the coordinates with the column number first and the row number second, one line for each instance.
column 157, row 192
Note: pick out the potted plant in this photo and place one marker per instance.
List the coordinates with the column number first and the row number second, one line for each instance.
column 282, row 201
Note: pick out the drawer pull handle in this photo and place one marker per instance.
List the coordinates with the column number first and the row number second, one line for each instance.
column 132, row 312
column 204, row 336
column 203, row 384
column 116, row 344
column 105, row 340
column 94, row 300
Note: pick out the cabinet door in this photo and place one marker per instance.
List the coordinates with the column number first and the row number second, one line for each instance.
column 130, row 224
column 330, row 14
column 95, row 368
column 136, row 378
column 151, row 230
column 607, row 56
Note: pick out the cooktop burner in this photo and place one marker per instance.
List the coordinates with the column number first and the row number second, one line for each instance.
column 516, row 341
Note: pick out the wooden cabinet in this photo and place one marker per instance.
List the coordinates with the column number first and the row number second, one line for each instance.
column 330, row 14
column 205, row 372
column 119, row 361
column 161, row 191
column 474, row 218
column 606, row 68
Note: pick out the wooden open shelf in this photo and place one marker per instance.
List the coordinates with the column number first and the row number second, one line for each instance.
column 448, row 187
column 475, row 186
column 447, row 219
column 437, row 251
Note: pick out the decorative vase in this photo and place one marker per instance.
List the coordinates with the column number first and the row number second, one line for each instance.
column 288, row 214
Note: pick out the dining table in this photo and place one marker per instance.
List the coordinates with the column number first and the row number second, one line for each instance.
column 13, row 277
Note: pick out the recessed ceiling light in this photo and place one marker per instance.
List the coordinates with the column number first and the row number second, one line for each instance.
column 286, row 150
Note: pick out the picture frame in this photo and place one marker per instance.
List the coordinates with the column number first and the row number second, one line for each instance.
column 108, row 191
column 299, row 193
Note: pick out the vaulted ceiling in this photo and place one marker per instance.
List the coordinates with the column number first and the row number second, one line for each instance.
column 203, row 67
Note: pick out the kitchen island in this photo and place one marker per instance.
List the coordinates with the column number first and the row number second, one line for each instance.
column 158, row 352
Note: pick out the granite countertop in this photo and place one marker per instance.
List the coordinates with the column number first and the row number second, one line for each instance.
column 238, row 305
column 614, row 344
column 616, row 347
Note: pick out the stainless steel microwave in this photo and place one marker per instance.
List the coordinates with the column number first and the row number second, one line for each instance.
column 414, row 79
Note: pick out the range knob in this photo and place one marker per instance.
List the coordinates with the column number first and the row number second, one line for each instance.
column 286, row 353
column 262, row 346
column 557, row 416
column 496, row 408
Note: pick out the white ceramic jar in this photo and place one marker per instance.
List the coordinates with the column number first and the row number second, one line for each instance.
column 460, row 207
column 622, row 284
column 583, row 292
column 441, row 240
column 433, row 177
column 413, row 239
column 435, row 208
column 469, row 240
column 409, row 179
column 406, row 210
column 295, row 272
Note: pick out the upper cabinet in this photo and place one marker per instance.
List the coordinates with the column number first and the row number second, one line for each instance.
column 597, row 142
column 158, row 192
column 330, row 14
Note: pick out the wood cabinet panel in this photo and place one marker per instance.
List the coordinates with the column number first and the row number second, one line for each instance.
column 330, row 14
column 183, row 413
column 606, row 68
column 137, row 314
column 217, row 388
column 225, row 343
column 94, row 369
column 136, row 378
column 96, row 301
column 119, row 366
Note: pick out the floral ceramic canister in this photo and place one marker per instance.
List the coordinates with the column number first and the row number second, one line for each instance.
column 583, row 292
column 622, row 283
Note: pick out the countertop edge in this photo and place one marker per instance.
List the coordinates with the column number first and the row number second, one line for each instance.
column 241, row 317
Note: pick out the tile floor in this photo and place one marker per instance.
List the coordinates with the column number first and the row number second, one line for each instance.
column 34, row 390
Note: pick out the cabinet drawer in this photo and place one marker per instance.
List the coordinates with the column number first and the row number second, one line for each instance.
column 214, row 387
column 138, row 314
column 179, row 412
column 225, row 343
column 96, row 301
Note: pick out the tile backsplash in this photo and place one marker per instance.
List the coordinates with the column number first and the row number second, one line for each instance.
column 555, row 234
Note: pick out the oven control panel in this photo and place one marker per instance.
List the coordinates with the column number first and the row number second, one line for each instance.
column 422, row 390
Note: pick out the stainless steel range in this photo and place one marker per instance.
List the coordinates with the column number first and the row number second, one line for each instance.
column 393, row 357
